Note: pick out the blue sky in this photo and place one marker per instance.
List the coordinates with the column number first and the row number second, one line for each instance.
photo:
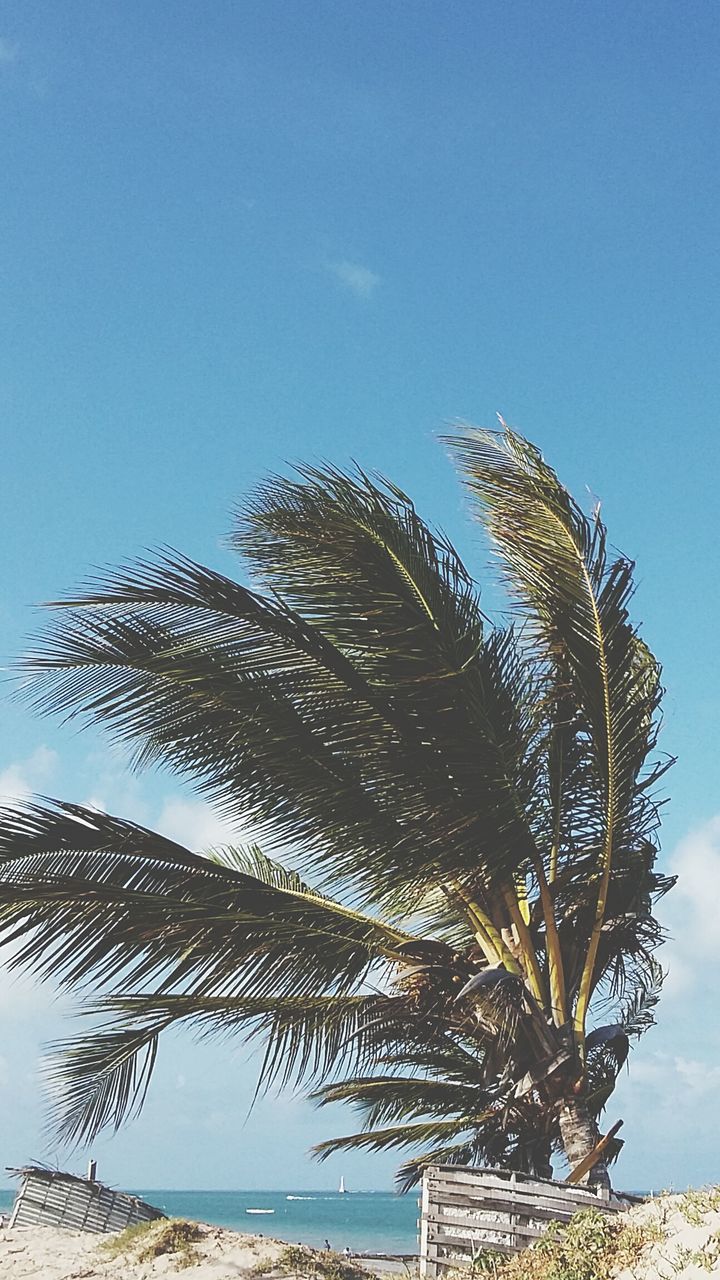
column 238, row 234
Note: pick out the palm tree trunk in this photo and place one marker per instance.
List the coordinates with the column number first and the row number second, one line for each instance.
column 579, row 1135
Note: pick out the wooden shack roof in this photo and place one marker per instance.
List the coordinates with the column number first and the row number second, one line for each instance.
column 54, row 1198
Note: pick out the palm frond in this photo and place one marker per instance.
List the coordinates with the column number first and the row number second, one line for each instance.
column 499, row 1143
column 637, row 1015
column 250, row 860
column 387, row 1098
column 399, row 1135
column 354, row 557
column 509, row 1137
column 556, row 564
column 265, row 715
column 241, row 696
column 98, row 1079
column 88, row 898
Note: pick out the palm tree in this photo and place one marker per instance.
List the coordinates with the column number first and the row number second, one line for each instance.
column 472, row 803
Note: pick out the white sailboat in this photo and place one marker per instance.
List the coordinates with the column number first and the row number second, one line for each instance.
column 341, row 1188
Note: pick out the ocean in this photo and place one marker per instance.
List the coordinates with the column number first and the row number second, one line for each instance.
column 372, row 1221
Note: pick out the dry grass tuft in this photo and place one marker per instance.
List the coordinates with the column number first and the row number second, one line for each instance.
column 148, row 1240
column 311, row 1264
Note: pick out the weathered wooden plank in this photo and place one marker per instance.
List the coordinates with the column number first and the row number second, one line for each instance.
column 436, row 1227
column 590, row 1160
column 503, row 1221
column 475, row 1187
column 506, row 1230
column 537, row 1213
column 496, row 1201
column 463, row 1245
column 501, row 1209
column 506, row 1175
column 503, row 1202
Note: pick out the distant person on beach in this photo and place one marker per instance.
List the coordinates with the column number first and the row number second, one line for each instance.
column 346, row 1251
column 328, row 1246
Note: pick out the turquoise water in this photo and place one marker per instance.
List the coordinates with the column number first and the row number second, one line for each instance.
column 375, row 1221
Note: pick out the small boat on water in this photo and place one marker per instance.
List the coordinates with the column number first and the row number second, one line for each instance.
column 259, row 1210
column 341, row 1189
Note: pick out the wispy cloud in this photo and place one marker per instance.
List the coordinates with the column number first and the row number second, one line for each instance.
column 8, row 50
column 698, row 1077
column 354, row 276
column 674, row 1080
column 691, row 911
column 20, row 779
column 696, row 863
column 189, row 821
column 194, row 825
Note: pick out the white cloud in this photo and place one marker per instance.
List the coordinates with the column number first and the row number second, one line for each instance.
column 679, row 973
column 692, row 910
column 8, row 50
column 674, row 1081
column 698, row 1077
column 696, row 863
column 113, row 787
column 648, row 1071
column 354, row 276
column 21, row 778
column 194, row 825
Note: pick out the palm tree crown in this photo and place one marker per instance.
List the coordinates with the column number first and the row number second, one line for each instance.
column 472, row 804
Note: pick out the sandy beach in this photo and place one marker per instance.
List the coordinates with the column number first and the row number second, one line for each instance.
column 48, row 1253
column 686, row 1246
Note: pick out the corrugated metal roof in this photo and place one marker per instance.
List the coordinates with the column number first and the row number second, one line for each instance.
column 50, row 1198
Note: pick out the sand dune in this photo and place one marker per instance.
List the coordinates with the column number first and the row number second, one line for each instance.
column 46, row 1253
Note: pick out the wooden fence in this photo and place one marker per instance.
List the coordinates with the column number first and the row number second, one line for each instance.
column 465, row 1211
column 48, row 1198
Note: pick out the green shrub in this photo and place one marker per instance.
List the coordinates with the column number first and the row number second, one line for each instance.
column 591, row 1246
column 709, row 1256
column 695, row 1204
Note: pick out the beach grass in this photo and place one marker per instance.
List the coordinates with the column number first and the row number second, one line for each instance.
column 312, row 1264
column 592, row 1246
column 148, row 1240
